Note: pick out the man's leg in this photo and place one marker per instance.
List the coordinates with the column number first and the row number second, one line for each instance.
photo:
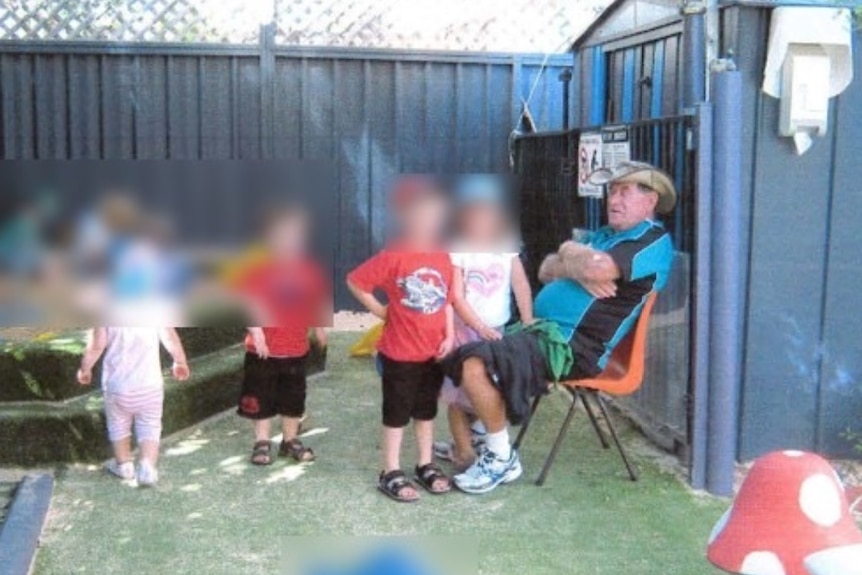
column 498, row 464
column 486, row 399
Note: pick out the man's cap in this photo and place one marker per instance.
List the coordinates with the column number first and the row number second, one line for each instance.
column 640, row 173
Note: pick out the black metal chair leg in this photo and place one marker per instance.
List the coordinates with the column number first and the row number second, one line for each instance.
column 546, row 468
column 632, row 473
column 592, row 414
column 526, row 424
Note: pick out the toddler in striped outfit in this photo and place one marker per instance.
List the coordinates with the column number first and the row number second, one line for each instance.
column 133, row 388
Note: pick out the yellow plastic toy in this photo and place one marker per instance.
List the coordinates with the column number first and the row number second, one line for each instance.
column 366, row 345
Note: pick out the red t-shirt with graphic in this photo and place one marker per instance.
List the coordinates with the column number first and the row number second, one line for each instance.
column 293, row 296
column 418, row 287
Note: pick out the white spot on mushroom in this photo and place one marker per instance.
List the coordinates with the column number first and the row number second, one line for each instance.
column 793, row 453
column 762, row 563
column 820, row 500
column 846, row 560
column 719, row 526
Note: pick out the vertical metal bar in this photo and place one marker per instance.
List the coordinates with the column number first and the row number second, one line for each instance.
column 566, row 79
column 725, row 350
column 694, row 48
column 628, row 103
column 598, row 100
column 267, row 89
column 701, row 283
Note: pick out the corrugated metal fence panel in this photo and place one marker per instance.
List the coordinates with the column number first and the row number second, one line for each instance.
column 802, row 364
column 550, row 209
column 372, row 113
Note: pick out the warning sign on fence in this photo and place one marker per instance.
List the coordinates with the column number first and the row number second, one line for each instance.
column 596, row 150
column 589, row 160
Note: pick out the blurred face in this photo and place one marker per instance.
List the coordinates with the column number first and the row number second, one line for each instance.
column 423, row 221
column 482, row 223
column 629, row 204
column 287, row 235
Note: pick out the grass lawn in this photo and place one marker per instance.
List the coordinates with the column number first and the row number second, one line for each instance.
column 214, row 513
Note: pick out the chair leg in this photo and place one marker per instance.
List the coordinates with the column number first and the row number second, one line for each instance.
column 592, row 414
column 549, row 461
column 526, row 424
column 632, row 473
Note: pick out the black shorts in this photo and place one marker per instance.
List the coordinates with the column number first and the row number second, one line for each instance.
column 272, row 386
column 410, row 390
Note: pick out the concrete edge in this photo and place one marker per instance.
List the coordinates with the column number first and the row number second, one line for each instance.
column 20, row 534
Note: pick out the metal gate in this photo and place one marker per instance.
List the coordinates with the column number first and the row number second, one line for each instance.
column 550, row 208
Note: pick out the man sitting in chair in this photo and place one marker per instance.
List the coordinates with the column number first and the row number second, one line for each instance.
column 593, row 294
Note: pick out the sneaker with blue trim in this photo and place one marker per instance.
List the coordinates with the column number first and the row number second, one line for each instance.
column 489, row 471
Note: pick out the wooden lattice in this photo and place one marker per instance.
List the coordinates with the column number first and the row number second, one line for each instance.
column 474, row 25
column 120, row 21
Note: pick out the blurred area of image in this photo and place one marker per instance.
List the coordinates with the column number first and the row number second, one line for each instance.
column 349, row 555
column 150, row 243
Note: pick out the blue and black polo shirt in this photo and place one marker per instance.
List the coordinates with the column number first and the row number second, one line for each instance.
column 644, row 255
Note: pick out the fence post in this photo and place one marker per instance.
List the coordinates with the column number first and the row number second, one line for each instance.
column 725, row 342
column 267, row 89
column 566, row 79
column 701, row 288
column 694, row 48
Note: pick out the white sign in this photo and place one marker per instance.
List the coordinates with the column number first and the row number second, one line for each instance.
column 615, row 146
column 589, row 160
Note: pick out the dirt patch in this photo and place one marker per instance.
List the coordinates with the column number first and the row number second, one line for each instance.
column 353, row 321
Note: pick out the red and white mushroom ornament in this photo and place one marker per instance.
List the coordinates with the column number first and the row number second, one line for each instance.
column 790, row 517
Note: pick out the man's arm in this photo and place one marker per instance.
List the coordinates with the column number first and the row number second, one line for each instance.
column 584, row 264
column 596, row 271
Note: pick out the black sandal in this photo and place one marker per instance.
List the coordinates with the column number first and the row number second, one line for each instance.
column 393, row 484
column 427, row 475
column 295, row 449
column 261, row 454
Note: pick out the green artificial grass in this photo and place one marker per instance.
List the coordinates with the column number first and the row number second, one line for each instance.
column 214, row 513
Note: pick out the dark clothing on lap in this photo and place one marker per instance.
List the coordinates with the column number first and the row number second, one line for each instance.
column 515, row 365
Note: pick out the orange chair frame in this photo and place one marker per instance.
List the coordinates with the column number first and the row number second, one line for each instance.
column 623, row 375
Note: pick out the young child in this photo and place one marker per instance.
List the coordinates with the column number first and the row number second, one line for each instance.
column 487, row 272
column 416, row 278
column 288, row 292
column 134, row 392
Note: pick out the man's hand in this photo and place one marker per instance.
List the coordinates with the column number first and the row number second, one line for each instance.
column 84, row 377
column 600, row 289
column 181, row 371
column 571, row 248
column 446, row 347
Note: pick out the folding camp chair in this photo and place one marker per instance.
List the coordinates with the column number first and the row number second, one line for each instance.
column 622, row 376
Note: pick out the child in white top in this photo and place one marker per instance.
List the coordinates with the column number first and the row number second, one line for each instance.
column 488, row 272
column 133, row 388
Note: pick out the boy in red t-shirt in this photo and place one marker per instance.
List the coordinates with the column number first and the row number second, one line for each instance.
column 289, row 292
column 416, row 277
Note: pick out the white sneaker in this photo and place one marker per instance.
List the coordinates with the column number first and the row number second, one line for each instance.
column 488, row 472
column 122, row 470
column 147, row 474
